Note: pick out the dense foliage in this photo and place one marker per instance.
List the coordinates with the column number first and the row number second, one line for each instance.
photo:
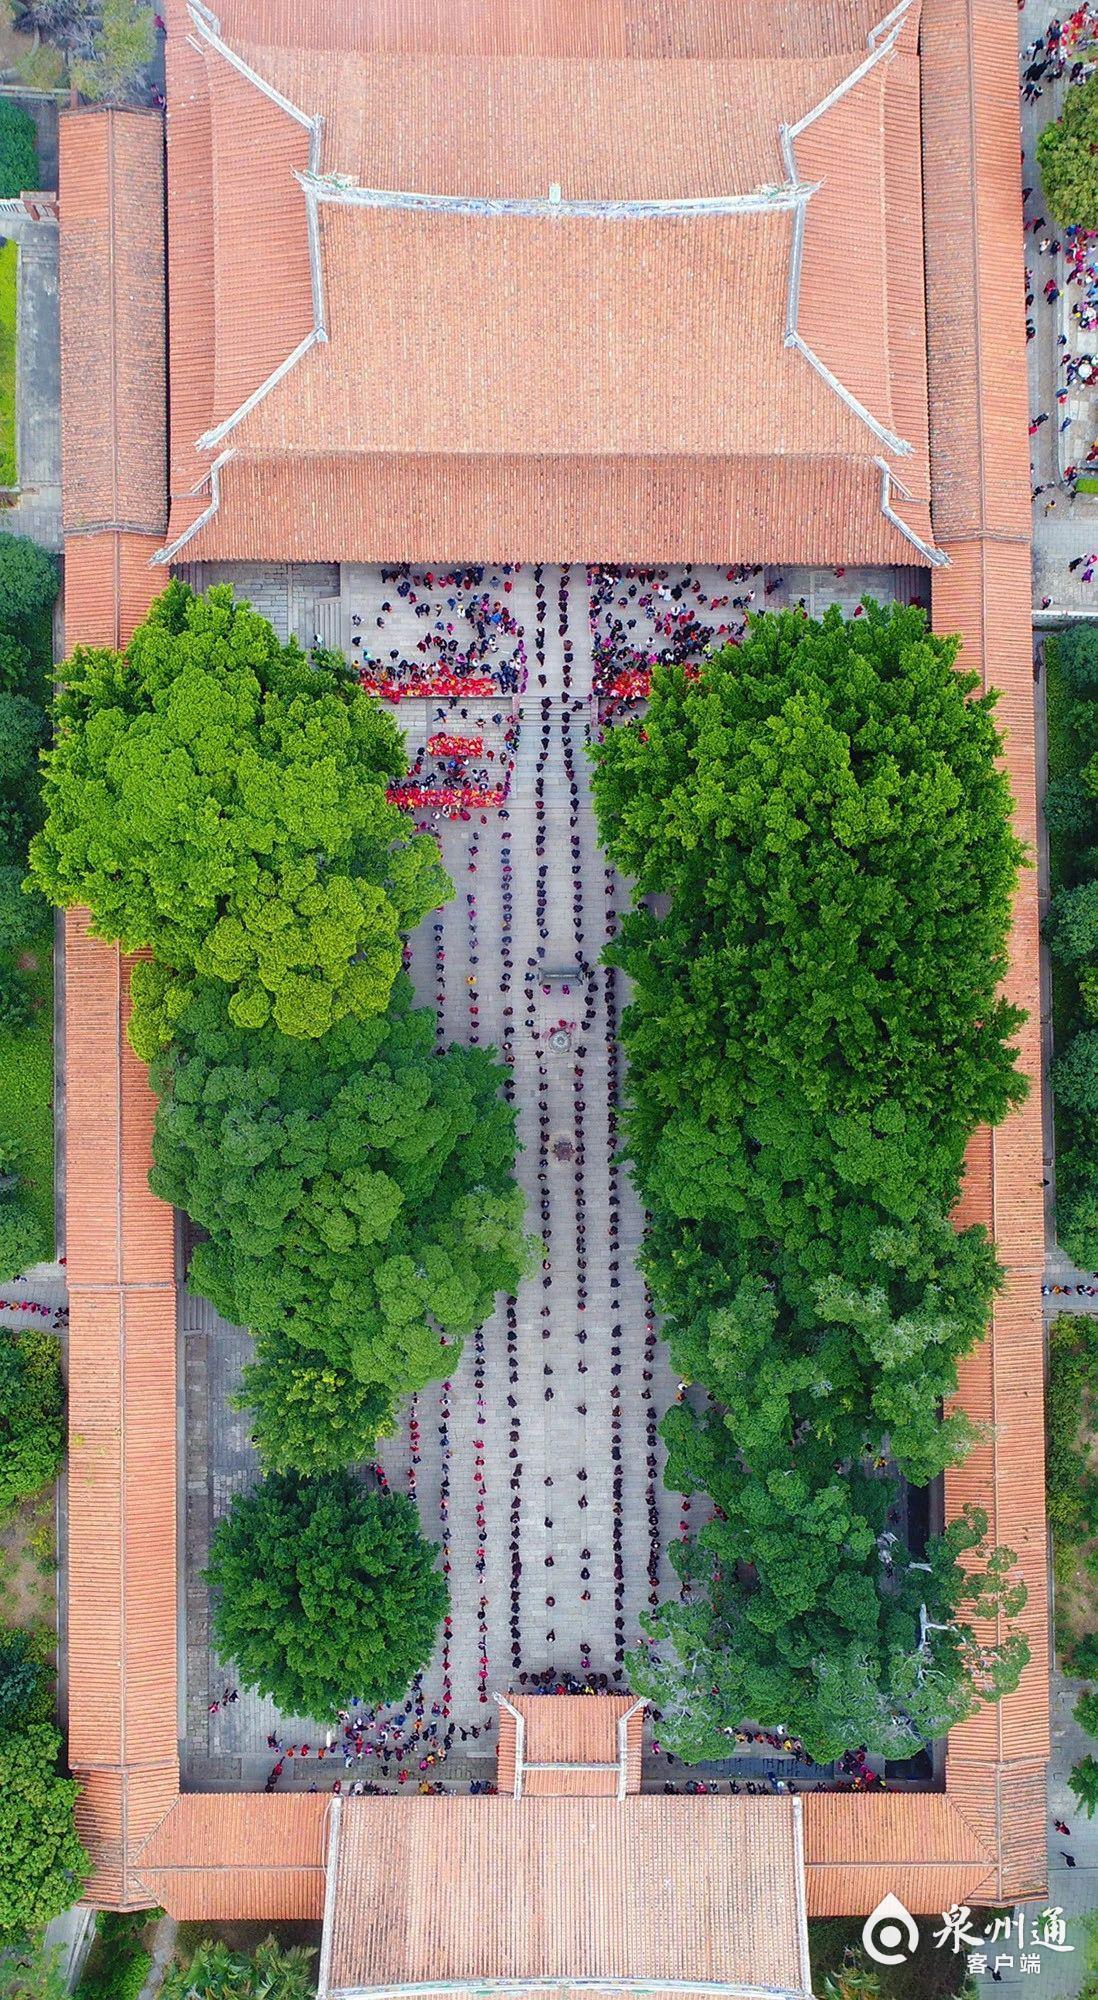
column 308, row 1413
column 212, row 795
column 216, row 1972
column 323, row 1589
column 42, row 1862
column 31, row 1413
column 28, row 584
column 358, row 1193
column 26, row 1685
column 1072, row 932
column 815, row 1030
column 18, row 150
column 1067, row 154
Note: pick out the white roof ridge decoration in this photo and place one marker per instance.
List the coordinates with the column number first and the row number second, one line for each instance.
column 207, row 27
column 791, row 196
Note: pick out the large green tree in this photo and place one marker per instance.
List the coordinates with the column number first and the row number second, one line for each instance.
column 214, row 796
column 819, row 833
column 323, row 1589
column 358, row 1191
column 43, row 1865
column 1067, row 154
column 31, row 1414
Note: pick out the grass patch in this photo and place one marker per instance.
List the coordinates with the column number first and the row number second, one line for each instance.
column 26, row 1092
column 9, row 270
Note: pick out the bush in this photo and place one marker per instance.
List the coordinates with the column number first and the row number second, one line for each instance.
column 323, row 1590
column 1077, row 1224
column 29, row 578
column 24, row 912
column 1069, row 808
column 1072, row 926
column 1077, row 651
column 26, row 1682
column 216, row 1972
column 1067, row 154
column 122, row 46
column 1083, row 1779
column 31, row 1430
column 1084, row 1657
column 120, row 1961
column 18, row 150
column 16, row 1002
column 1086, row 1712
column 23, row 1240
column 15, row 658
column 1075, row 1073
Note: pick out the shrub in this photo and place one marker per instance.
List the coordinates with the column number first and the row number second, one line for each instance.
column 1077, row 1224
column 1077, row 651
column 15, row 662
column 1083, row 1779
column 18, row 150
column 323, row 1590
column 43, row 1865
column 1072, row 926
column 122, row 46
column 24, row 912
column 1084, row 1657
column 31, row 1432
column 216, row 1972
column 1086, row 1712
column 28, row 579
column 26, row 1683
column 1069, row 808
column 1067, row 154
column 1075, row 1073
column 120, row 1960
column 15, row 998
column 22, row 1239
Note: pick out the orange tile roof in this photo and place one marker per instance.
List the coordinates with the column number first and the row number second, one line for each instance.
column 121, row 1639
column 240, row 1855
column 562, row 1889
column 980, row 496
column 670, row 342
column 577, row 1730
column 113, row 387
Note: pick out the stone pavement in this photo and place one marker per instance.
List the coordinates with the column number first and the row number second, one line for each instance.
column 37, row 511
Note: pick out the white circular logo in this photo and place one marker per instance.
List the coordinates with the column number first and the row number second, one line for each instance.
column 890, row 1933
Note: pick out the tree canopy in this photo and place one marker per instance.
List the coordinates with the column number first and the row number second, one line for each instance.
column 358, row 1191
column 31, row 1413
column 1067, row 154
column 28, row 579
column 43, row 1865
column 815, row 1030
column 213, row 796
column 323, row 1590
column 18, row 150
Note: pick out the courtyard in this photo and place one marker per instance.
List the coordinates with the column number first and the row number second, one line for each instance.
column 537, row 1466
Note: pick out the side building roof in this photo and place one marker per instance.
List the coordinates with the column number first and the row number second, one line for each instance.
column 113, row 367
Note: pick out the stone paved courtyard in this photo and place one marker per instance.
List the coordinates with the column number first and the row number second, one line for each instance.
column 537, row 1465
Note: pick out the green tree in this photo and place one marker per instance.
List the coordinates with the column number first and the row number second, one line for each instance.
column 216, row 1972
column 1067, row 154
column 15, row 658
column 1072, row 927
column 1075, row 1074
column 308, row 1414
column 323, row 1589
column 358, row 1191
column 819, row 832
column 1086, row 1711
column 213, row 796
column 28, row 579
column 31, row 1421
column 18, row 150
column 43, row 1865
column 1083, row 1779
column 26, row 1684
column 23, row 913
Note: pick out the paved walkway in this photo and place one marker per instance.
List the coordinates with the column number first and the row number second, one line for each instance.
column 37, row 512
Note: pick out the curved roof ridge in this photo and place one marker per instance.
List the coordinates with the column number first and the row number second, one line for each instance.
column 207, row 28
column 882, row 41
